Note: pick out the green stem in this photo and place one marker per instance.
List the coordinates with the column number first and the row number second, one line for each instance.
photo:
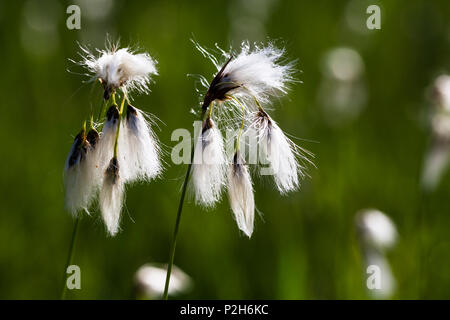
column 180, row 209
column 102, row 112
column 175, row 232
column 70, row 256
column 118, row 126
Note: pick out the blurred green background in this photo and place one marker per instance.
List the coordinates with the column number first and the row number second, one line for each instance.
column 305, row 246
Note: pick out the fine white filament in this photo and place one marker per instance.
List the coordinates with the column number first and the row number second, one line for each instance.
column 139, row 148
column 240, row 195
column 208, row 169
column 111, row 198
column 121, row 68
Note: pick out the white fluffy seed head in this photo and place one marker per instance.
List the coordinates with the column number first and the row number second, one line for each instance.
column 441, row 92
column 150, row 280
column 255, row 72
column 387, row 283
column 120, row 68
column 111, row 197
column 209, row 165
column 260, row 71
column 105, row 148
column 80, row 178
column 283, row 156
column 436, row 162
column 240, row 195
column 376, row 229
column 139, row 148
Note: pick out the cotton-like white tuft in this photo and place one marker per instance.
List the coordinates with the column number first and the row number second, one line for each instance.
column 139, row 148
column 121, row 68
column 105, row 148
column 377, row 229
column 209, row 165
column 256, row 72
column 441, row 91
column 77, row 196
column 279, row 152
column 385, row 284
column 259, row 71
column 150, row 280
column 81, row 181
column 435, row 165
column 111, row 197
column 240, row 195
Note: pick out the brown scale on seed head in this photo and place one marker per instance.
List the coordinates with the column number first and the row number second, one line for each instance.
column 112, row 172
column 113, row 113
column 80, row 148
column 131, row 111
column 218, row 90
column 92, row 137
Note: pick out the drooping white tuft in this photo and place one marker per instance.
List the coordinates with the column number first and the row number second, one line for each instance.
column 281, row 153
column 208, row 169
column 240, row 195
column 77, row 197
column 81, row 180
column 139, row 148
column 121, row 68
column 111, row 197
column 105, row 149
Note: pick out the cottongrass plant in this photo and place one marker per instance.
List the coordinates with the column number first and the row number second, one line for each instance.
column 120, row 148
column 438, row 155
column 377, row 235
column 245, row 82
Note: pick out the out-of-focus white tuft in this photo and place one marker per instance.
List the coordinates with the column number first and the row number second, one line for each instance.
column 437, row 157
column 377, row 234
column 139, row 148
column 240, row 195
column 150, row 281
column 376, row 229
column 386, row 282
column 111, row 197
column 209, row 165
column 280, row 152
column 436, row 163
column 120, row 68
column 441, row 92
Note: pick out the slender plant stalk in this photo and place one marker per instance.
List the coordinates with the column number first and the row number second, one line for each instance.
column 180, row 209
column 77, row 220
column 175, row 232
column 70, row 256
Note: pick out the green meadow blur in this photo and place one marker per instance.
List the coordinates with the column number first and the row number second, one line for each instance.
column 304, row 245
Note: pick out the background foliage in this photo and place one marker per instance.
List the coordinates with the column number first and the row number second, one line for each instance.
column 304, row 245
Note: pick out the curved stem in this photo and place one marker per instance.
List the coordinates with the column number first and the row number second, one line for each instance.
column 118, row 126
column 180, row 209
column 242, row 123
column 70, row 256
